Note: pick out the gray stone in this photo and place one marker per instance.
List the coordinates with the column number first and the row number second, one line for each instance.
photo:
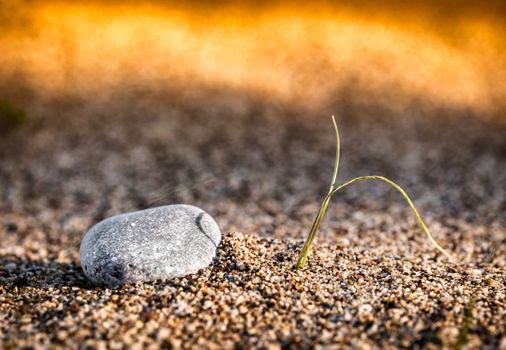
column 151, row 244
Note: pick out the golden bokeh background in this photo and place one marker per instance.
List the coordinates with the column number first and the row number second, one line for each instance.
column 446, row 54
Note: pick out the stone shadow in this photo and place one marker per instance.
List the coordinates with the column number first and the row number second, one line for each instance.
column 22, row 272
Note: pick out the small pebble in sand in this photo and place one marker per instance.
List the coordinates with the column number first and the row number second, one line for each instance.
column 151, row 244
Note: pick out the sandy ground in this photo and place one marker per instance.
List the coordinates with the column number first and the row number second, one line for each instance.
column 261, row 169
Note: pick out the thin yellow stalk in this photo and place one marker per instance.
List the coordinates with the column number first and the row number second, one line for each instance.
column 338, row 155
column 302, row 260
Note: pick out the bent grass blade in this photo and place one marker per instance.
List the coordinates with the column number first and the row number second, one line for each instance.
column 304, row 254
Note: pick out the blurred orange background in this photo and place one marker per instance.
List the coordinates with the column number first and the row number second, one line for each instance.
column 449, row 54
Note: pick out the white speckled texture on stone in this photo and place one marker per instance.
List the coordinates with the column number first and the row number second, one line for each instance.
column 151, row 244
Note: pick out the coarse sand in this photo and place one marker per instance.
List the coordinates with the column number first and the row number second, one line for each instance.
column 373, row 279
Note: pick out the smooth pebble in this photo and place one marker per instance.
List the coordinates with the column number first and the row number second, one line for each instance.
column 152, row 244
